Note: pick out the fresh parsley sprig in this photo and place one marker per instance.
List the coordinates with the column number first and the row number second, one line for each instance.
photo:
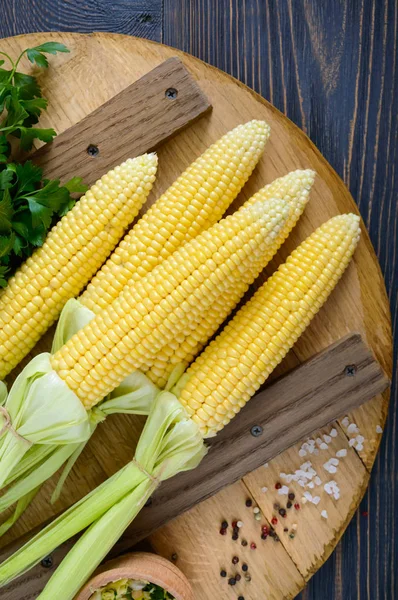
column 29, row 205
column 21, row 101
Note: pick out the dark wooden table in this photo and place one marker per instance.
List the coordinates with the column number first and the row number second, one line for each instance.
column 331, row 66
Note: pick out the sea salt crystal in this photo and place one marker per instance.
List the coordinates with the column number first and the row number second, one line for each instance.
column 352, row 442
column 334, row 461
column 311, row 484
column 360, row 439
column 324, row 514
column 352, row 428
column 318, row 441
column 302, row 453
column 283, row 491
column 341, row 453
column 329, row 466
column 317, row 480
column 323, row 446
column 379, row 429
column 333, row 432
column 345, row 422
column 359, row 447
column 301, row 483
column 264, row 489
column 316, row 500
column 265, row 466
column 327, row 438
column 308, row 496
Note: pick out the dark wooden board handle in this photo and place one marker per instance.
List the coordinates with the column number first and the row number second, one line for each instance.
column 137, row 120
column 319, row 391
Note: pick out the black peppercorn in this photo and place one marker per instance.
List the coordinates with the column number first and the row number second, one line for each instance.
column 249, row 502
column 235, row 537
column 224, row 525
column 241, row 598
column 291, row 496
column 238, row 577
column 235, row 560
column 223, row 573
column 244, row 543
column 289, row 505
column 245, row 567
column 232, row 581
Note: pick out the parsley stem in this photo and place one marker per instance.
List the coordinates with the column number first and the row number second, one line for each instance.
column 9, row 57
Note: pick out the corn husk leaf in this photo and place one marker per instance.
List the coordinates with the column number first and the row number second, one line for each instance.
column 170, row 443
column 135, row 395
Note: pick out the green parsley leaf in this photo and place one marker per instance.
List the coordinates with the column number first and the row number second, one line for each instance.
column 6, row 213
column 27, row 86
column 6, row 244
column 28, row 135
column 6, row 178
column 4, row 148
column 3, row 273
column 41, row 214
column 29, row 176
column 36, row 54
column 15, row 112
column 34, row 106
column 75, row 186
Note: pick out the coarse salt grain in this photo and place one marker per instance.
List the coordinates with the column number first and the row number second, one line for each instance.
column 352, row 442
column 327, row 438
column 345, row 422
column 264, row 489
column 352, row 428
column 317, row 480
column 333, row 432
column 308, row 496
column 265, row 465
column 334, row 461
column 324, row 514
column 283, row 491
column 341, row 453
column 379, row 429
column 302, row 453
column 323, row 446
column 316, row 500
column 311, row 484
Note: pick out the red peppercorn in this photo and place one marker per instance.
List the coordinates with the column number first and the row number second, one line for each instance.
column 265, row 529
column 234, row 524
column 274, row 520
column 278, row 486
column 297, row 506
column 253, row 546
column 223, row 531
column 235, row 560
column 264, row 536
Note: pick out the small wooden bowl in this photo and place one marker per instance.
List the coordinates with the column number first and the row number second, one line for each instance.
column 140, row 565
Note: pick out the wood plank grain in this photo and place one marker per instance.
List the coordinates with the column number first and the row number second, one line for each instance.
column 138, row 119
column 311, row 396
column 138, row 17
column 332, row 68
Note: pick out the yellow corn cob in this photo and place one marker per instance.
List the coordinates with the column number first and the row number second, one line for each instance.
column 294, row 188
column 73, row 251
column 233, row 367
column 166, row 304
column 197, row 200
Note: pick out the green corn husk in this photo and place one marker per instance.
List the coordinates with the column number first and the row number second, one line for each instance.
column 169, row 444
column 135, row 395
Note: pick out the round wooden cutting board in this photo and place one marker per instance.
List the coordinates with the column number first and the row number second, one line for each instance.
column 99, row 66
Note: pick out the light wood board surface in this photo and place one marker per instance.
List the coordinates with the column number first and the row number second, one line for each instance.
column 98, row 67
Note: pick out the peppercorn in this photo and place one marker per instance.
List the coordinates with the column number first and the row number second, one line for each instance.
column 248, row 578
column 223, row 531
column 274, row 520
column 282, row 512
column 223, row 573
column 235, row 560
column 253, row 546
column 264, row 536
column 174, row 557
column 241, row 598
column 245, row 567
column 234, row 524
column 291, row 496
column 249, row 502
column 286, row 529
column 238, row 577
column 276, row 538
column 235, row 536
column 297, row 506
column 244, row 543
column 232, row 581
column 272, row 533
column 278, row 486
column 224, row 525
column 289, row 505
column 277, row 506
column 265, row 529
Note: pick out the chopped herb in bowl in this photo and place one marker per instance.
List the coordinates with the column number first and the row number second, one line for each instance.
column 131, row 589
